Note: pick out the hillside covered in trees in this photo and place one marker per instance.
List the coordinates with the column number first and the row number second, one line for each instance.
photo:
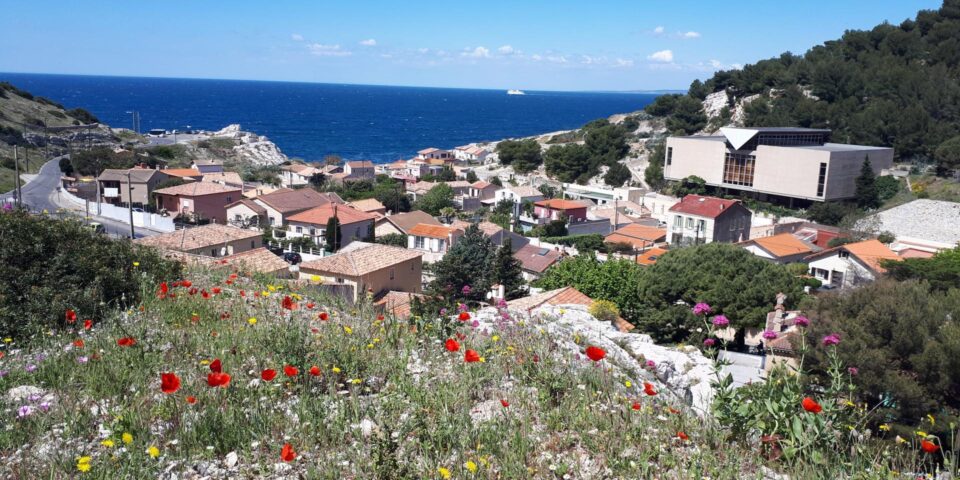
column 896, row 85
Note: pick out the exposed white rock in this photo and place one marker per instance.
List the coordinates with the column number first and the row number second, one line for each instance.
column 684, row 373
column 252, row 148
column 714, row 103
column 231, row 460
column 24, row 393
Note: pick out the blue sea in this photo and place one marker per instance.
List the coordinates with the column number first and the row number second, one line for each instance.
column 312, row 120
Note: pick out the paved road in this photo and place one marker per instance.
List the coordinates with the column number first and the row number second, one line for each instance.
column 41, row 194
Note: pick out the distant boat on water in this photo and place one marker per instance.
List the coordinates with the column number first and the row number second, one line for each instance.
column 515, row 92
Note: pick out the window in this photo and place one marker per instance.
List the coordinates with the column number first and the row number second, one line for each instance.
column 844, row 254
column 313, row 232
column 678, row 222
column 418, row 242
column 238, row 217
column 299, row 229
column 822, row 179
column 689, row 223
column 271, row 220
column 738, row 169
column 669, row 155
column 253, row 244
column 339, row 280
column 701, row 225
column 213, row 252
column 392, row 273
column 229, row 198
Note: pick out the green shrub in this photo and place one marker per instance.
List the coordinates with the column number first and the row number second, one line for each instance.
column 48, row 266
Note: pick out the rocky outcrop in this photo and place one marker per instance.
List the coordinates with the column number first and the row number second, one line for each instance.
column 252, row 148
column 681, row 373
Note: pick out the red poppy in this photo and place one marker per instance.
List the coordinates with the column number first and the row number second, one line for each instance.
column 323, row 316
column 504, row 403
column 87, row 324
column 471, row 356
column 268, row 374
column 169, row 383
column 186, row 283
column 648, row 389
column 595, row 353
column 71, row 315
column 164, row 288
column 460, row 336
column 126, row 342
column 229, row 281
column 464, row 316
column 194, row 318
column 811, row 405
column 78, row 343
column 288, row 303
column 928, row 446
column 216, row 290
column 243, row 293
column 191, row 399
column 315, row 371
column 310, row 305
column 216, row 366
column 452, row 345
column 290, row 370
column 380, row 317
column 674, row 411
column 233, row 275
column 635, row 406
column 682, row 436
column 287, row 454
column 204, row 293
column 193, row 291
column 217, row 379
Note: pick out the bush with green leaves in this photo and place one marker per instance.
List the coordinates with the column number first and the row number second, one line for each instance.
column 49, row 265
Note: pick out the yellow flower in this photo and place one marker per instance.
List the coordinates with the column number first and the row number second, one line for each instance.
column 204, row 362
column 271, row 288
column 885, row 427
column 252, row 321
column 850, row 404
column 136, row 264
column 472, row 467
column 369, row 345
column 932, row 421
column 347, row 329
column 444, row 473
column 900, row 439
column 628, row 384
column 315, row 278
column 495, row 338
column 153, row 451
column 127, row 438
column 83, row 464
column 7, row 340
column 356, row 381
column 107, row 443
column 265, row 293
column 336, row 369
column 921, row 433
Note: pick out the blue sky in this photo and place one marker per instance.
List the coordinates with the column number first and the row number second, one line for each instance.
column 527, row 44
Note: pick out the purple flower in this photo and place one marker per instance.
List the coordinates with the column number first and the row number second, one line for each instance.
column 45, row 406
column 443, row 311
column 24, row 411
column 801, row 321
column 3, row 373
column 501, row 303
column 709, row 342
column 701, row 309
column 33, row 398
column 832, row 339
column 769, row 334
column 853, row 371
column 466, row 290
column 721, row 321
column 464, row 307
column 82, row 359
column 30, row 368
column 475, row 324
column 8, row 207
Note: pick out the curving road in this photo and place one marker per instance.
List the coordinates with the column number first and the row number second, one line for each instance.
column 41, row 195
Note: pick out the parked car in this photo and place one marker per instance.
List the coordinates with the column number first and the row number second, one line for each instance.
column 292, row 258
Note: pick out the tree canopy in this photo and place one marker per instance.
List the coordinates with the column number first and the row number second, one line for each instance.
column 867, row 194
column 942, row 270
column 467, row 263
column 438, row 198
column 523, row 155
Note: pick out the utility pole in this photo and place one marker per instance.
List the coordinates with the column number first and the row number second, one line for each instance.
column 130, row 205
column 16, row 172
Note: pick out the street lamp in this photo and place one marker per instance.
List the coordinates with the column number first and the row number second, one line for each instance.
column 135, row 117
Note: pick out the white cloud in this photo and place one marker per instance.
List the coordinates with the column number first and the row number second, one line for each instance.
column 620, row 62
column 556, row 59
column 370, row 42
column 536, row 57
column 322, row 50
column 506, row 50
column 296, row 37
column 664, row 56
column 659, row 30
column 386, row 55
column 689, row 35
column 479, row 52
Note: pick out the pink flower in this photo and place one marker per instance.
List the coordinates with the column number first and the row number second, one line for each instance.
column 701, row 309
column 709, row 342
column 832, row 339
column 721, row 321
column 651, row 364
column 466, row 290
column 853, row 371
column 769, row 334
column 801, row 321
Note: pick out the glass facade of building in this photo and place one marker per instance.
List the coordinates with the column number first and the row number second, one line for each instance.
column 738, row 169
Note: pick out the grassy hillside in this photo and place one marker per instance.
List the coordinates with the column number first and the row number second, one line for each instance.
column 356, row 395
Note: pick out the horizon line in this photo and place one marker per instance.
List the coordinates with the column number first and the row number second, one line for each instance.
column 604, row 91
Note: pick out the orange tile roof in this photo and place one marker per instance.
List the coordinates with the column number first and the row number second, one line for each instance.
column 432, row 231
column 256, row 260
column 182, row 172
column 870, row 252
column 560, row 204
column 322, row 214
column 196, row 189
column 368, row 205
column 651, row 256
column 782, row 245
column 638, row 235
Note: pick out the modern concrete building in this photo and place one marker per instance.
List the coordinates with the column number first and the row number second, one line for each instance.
column 790, row 163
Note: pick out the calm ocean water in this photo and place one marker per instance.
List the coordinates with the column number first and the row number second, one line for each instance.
column 311, row 120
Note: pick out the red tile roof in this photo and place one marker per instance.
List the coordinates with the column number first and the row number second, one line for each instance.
column 432, row 231
column 560, row 204
column 322, row 214
column 651, row 256
column 701, row 206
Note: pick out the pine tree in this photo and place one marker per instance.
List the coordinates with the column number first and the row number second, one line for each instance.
column 866, row 193
column 506, row 270
column 467, row 263
column 333, row 234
